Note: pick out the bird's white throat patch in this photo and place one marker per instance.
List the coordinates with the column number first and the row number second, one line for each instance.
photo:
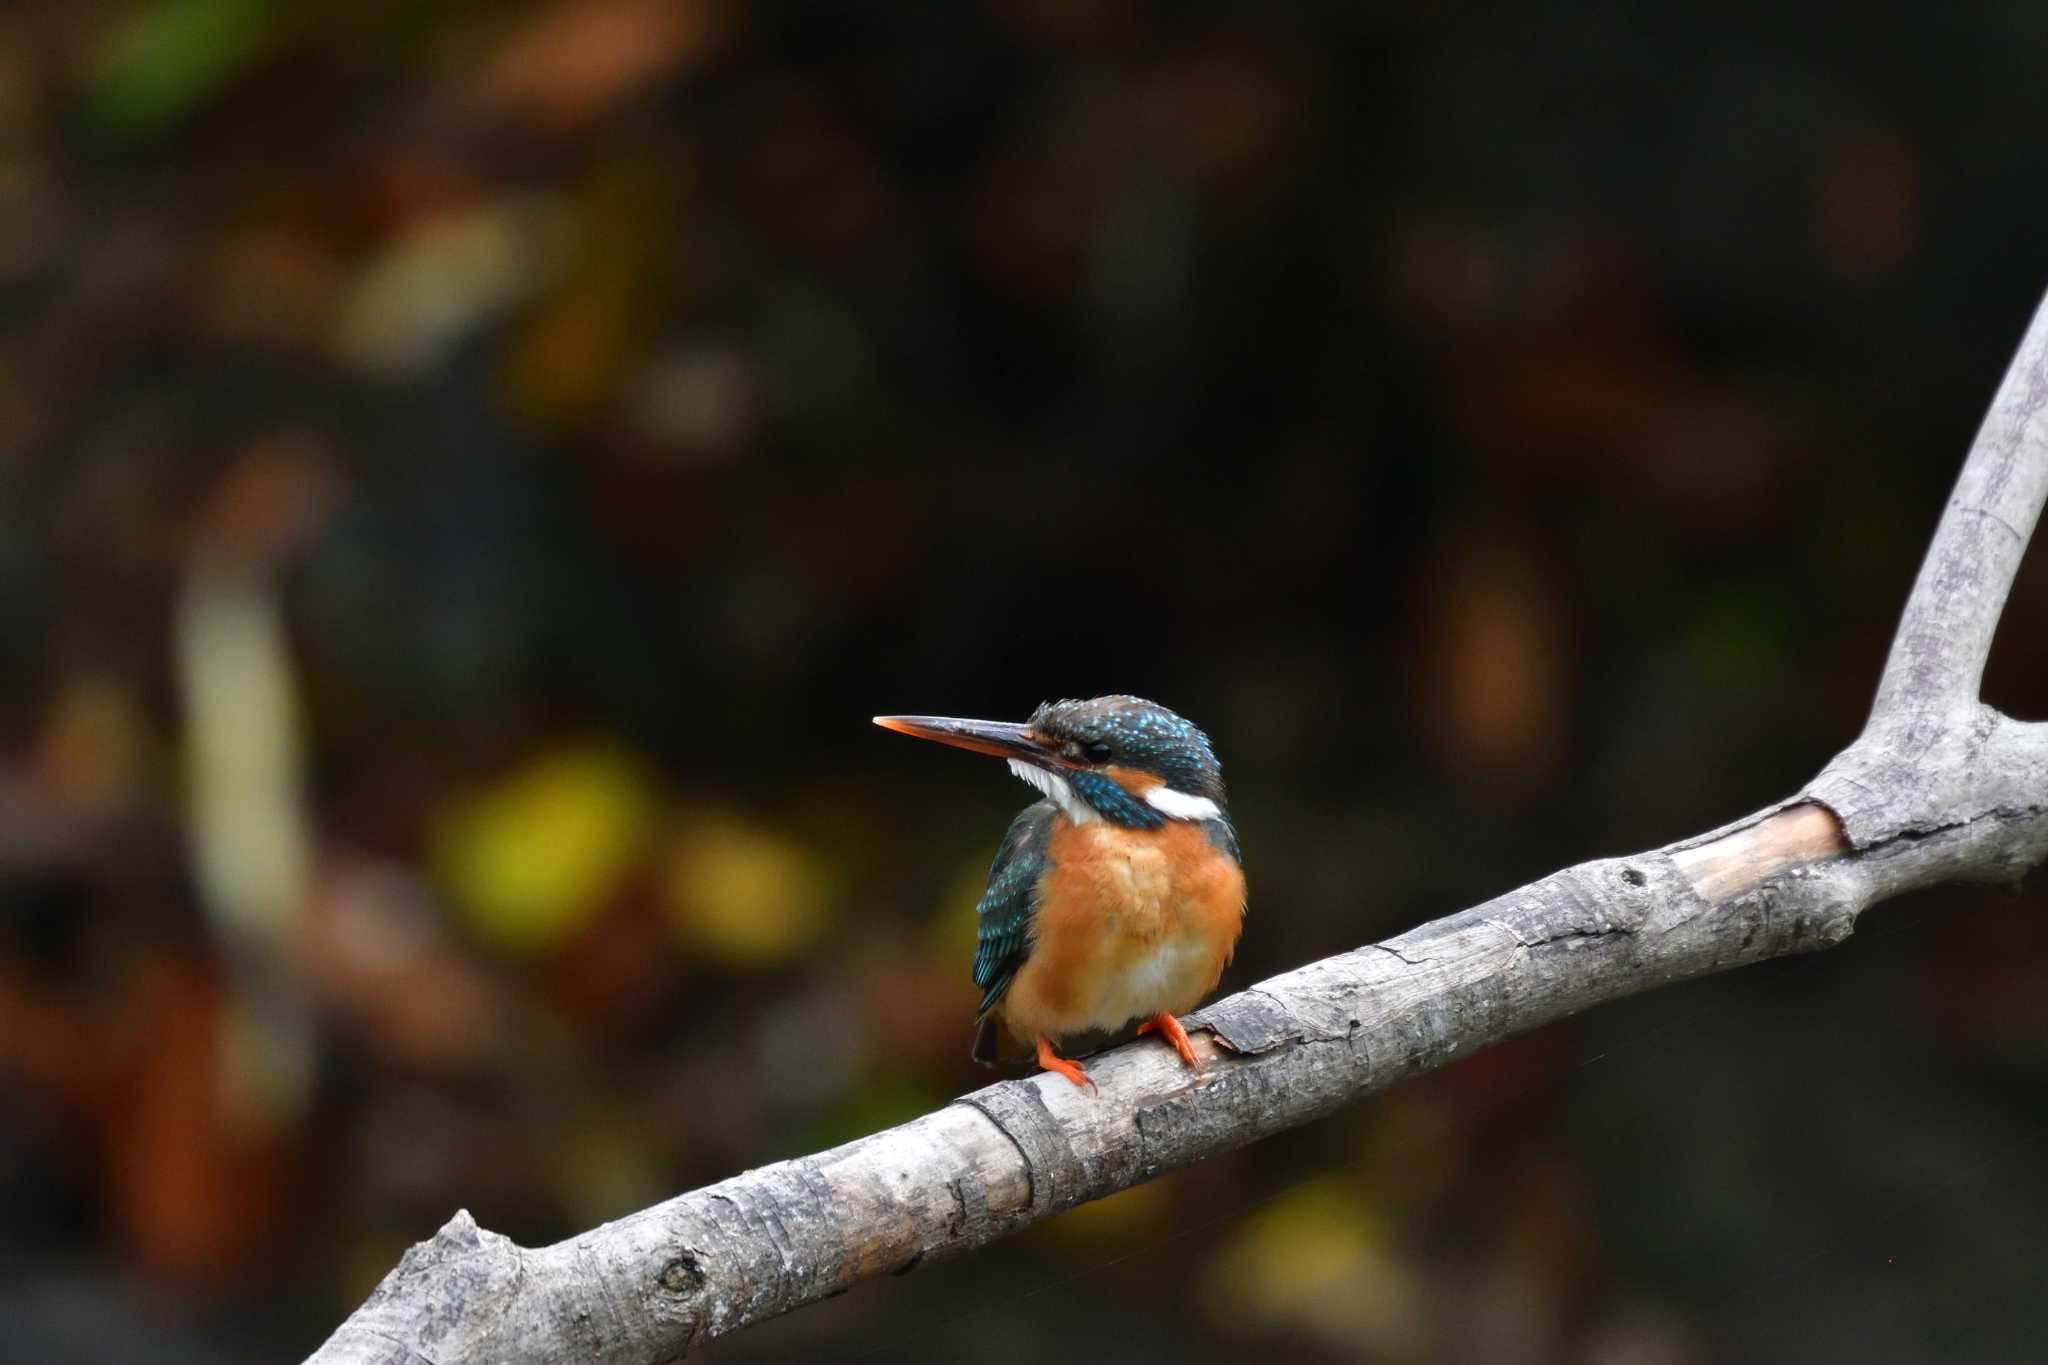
column 1168, row 802
column 1056, row 788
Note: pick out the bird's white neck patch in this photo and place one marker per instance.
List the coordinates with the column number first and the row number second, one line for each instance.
column 1168, row 802
column 1181, row 806
column 1060, row 791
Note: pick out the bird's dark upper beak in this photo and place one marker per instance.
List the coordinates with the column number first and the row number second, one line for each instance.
column 1001, row 738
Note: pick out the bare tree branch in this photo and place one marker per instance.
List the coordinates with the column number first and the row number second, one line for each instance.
column 1944, row 637
column 1927, row 727
column 1938, row 788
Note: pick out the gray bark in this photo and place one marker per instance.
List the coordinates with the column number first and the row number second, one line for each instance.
column 1938, row 788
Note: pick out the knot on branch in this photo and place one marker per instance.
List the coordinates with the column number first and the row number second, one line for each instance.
column 458, row 1234
column 682, row 1275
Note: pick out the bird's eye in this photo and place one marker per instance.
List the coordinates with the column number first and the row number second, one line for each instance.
column 1095, row 751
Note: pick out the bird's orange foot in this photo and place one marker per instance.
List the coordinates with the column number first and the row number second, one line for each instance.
column 1169, row 1028
column 1052, row 1061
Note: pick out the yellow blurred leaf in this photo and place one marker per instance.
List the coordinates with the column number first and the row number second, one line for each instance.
column 578, row 344
column 1317, row 1259
column 1123, row 1214
column 95, row 742
column 531, row 859
column 447, row 275
column 743, row 893
column 574, row 349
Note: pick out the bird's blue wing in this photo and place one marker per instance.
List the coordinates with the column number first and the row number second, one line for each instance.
column 1223, row 835
column 1007, row 907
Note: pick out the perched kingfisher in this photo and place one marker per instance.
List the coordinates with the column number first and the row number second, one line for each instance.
column 1117, row 897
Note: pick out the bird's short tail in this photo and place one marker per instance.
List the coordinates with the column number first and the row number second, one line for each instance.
column 986, row 1039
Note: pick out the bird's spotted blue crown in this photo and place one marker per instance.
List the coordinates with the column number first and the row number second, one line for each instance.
column 1142, row 735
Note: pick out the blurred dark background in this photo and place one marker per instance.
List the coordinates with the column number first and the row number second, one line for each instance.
column 468, row 473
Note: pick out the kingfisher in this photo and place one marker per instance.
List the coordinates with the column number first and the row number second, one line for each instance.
column 1119, row 895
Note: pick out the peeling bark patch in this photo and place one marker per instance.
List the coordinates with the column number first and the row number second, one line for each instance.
column 1213, row 1032
column 1253, row 1022
column 1572, row 939
column 1262, row 1019
column 1051, row 1168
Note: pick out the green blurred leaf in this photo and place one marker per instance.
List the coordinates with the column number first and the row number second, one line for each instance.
column 164, row 59
column 827, row 385
column 1739, row 640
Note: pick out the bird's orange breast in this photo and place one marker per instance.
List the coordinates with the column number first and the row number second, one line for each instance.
column 1130, row 922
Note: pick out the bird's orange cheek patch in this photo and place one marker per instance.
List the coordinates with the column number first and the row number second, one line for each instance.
column 1133, row 780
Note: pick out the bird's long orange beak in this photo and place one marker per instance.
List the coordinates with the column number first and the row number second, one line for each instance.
column 1001, row 738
